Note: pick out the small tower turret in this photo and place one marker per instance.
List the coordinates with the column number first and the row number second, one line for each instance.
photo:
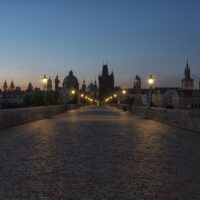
column 5, row 86
column 12, row 86
column 83, row 89
column 137, row 84
column 187, row 82
column 49, row 84
column 105, row 70
column 29, row 88
column 57, row 81
column 187, row 70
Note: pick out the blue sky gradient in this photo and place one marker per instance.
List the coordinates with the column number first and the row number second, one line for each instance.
column 135, row 37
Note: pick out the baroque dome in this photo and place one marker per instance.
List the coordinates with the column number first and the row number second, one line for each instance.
column 70, row 81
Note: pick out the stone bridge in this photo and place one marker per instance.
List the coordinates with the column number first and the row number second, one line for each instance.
column 99, row 153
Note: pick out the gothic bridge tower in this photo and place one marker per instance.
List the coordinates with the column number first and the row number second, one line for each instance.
column 106, row 83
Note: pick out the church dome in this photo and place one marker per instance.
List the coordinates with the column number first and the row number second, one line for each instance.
column 70, row 81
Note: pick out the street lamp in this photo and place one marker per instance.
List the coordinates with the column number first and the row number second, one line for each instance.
column 120, row 96
column 115, row 98
column 151, row 81
column 73, row 92
column 123, row 91
column 44, row 80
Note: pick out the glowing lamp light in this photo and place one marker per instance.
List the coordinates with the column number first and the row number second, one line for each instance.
column 151, row 80
column 73, row 92
column 82, row 95
column 124, row 92
column 44, row 79
column 115, row 95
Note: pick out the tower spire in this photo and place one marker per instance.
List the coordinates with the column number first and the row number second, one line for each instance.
column 187, row 64
column 187, row 70
column 12, row 86
column 5, row 86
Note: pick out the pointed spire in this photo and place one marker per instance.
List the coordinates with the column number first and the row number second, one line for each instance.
column 30, row 87
column 187, row 70
column 5, row 86
column 187, row 65
column 95, row 83
column 49, row 84
column 105, row 70
column 70, row 73
column 12, row 86
column 57, row 81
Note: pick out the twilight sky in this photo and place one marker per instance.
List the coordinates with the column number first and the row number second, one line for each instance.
column 135, row 36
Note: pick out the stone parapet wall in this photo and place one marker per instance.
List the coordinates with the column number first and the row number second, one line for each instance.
column 183, row 118
column 13, row 117
column 122, row 106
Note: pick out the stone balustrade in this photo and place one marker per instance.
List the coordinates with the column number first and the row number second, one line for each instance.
column 13, row 117
column 189, row 119
column 183, row 118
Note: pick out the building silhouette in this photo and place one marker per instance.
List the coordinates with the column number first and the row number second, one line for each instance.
column 49, row 84
column 70, row 84
column 83, row 88
column 57, row 82
column 184, row 97
column 187, row 81
column 106, row 83
column 11, row 97
column 92, row 90
column 12, row 86
column 5, row 86
column 29, row 88
column 137, row 84
column 137, row 89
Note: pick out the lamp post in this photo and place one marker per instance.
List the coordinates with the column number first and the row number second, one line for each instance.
column 151, row 81
column 73, row 92
column 123, row 91
column 44, row 80
column 119, row 96
column 115, row 98
column 123, row 94
column 124, row 103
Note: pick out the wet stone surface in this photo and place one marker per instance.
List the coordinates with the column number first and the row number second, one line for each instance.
column 99, row 153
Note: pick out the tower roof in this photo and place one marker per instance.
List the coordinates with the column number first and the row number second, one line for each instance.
column 70, row 80
column 12, row 86
column 137, row 78
column 187, row 70
column 105, row 70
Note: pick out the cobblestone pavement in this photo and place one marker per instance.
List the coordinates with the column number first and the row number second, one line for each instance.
column 99, row 153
